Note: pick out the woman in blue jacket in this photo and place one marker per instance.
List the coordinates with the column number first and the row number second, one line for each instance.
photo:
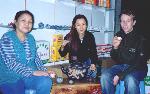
column 20, row 66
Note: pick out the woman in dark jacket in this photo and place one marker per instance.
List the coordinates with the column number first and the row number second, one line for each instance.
column 80, row 44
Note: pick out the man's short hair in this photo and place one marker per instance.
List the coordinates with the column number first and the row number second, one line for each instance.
column 128, row 12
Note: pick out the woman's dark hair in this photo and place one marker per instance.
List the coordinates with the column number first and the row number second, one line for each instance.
column 18, row 14
column 79, row 16
column 73, row 34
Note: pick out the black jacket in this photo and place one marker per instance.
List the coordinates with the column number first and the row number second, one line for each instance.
column 86, row 50
column 131, row 51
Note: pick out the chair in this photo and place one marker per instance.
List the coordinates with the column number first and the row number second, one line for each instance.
column 120, row 88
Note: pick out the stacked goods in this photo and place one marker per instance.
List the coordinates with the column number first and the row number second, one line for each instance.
column 93, row 2
column 107, row 3
column 104, row 3
column 103, row 50
column 56, row 43
column 43, row 50
column 101, row 3
column 79, row 1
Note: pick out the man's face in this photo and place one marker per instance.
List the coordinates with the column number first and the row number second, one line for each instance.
column 127, row 23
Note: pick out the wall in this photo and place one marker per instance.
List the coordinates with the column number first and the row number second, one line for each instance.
column 61, row 13
column 7, row 12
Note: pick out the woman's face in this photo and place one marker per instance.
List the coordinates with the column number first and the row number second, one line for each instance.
column 24, row 23
column 80, row 26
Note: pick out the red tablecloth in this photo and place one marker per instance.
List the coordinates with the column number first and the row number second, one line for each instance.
column 77, row 88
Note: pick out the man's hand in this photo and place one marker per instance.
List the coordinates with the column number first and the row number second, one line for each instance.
column 116, row 42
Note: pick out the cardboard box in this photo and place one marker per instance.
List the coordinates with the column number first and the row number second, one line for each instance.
column 57, row 40
column 147, row 80
column 55, row 56
column 147, row 84
column 43, row 49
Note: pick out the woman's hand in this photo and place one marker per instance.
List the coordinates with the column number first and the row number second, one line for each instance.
column 116, row 42
column 52, row 74
column 115, row 80
column 65, row 42
column 40, row 73
column 93, row 67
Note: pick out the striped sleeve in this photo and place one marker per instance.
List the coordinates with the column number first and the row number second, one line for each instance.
column 8, row 56
column 39, row 64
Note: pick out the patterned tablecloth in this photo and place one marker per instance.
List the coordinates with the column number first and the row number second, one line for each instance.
column 77, row 88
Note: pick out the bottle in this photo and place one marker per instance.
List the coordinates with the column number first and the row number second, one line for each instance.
column 107, row 3
column 95, row 2
column 101, row 3
column 83, row 1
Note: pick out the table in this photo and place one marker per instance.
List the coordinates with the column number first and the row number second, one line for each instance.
column 77, row 88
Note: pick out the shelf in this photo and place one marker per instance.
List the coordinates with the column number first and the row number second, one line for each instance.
column 6, row 26
column 86, row 5
column 108, row 31
column 56, row 63
column 55, row 27
column 93, row 6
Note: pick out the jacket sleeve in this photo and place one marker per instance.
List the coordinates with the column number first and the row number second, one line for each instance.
column 39, row 64
column 93, row 51
column 114, row 53
column 9, row 58
column 65, row 49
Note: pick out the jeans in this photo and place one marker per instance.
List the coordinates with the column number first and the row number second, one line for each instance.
column 41, row 84
column 131, row 80
column 13, row 88
column 90, row 73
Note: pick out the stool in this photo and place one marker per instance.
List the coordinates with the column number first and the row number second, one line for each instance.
column 120, row 88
